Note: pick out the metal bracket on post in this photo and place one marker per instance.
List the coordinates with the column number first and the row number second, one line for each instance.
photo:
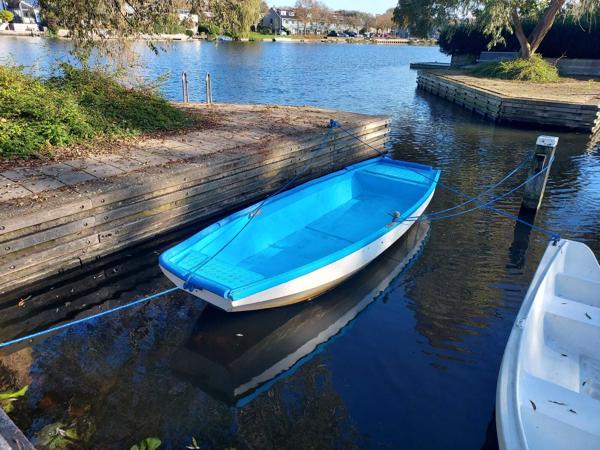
column 542, row 160
column 209, row 98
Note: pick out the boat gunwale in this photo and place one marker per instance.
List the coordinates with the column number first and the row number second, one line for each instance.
column 198, row 281
column 509, row 422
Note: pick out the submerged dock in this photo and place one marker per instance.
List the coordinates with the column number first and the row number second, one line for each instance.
column 58, row 216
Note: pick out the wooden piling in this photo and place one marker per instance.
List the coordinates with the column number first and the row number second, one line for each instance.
column 542, row 160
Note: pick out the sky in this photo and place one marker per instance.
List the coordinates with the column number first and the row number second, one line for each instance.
column 370, row 6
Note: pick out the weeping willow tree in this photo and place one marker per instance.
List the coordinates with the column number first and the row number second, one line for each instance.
column 105, row 24
column 235, row 17
column 495, row 16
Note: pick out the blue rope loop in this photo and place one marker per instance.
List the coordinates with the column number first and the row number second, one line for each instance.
column 551, row 234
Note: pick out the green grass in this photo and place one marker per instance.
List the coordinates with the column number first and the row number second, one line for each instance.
column 534, row 69
column 76, row 106
column 254, row 36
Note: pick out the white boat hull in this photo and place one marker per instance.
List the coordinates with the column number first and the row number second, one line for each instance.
column 312, row 284
column 548, row 394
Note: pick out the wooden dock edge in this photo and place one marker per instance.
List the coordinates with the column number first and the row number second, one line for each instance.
column 51, row 241
column 498, row 108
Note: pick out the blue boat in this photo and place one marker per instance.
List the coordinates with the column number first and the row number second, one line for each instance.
column 303, row 242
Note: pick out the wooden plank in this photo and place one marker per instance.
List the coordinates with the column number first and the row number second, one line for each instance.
column 16, row 264
column 47, row 235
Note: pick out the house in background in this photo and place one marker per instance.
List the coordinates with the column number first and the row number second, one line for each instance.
column 27, row 15
column 185, row 15
column 281, row 21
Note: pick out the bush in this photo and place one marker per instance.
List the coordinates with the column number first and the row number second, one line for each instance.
column 264, row 30
column 462, row 39
column 533, row 69
column 6, row 16
column 169, row 25
column 209, row 28
column 567, row 38
column 75, row 107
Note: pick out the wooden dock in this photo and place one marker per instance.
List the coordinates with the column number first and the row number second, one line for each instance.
column 60, row 216
column 550, row 114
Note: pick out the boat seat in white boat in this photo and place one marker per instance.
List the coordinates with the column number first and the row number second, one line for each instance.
column 549, row 386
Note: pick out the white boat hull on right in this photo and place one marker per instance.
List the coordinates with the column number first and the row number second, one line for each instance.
column 548, row 394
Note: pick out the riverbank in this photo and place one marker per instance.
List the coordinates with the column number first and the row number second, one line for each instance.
column 568, row 104
column 57, row 216
column 253, row 37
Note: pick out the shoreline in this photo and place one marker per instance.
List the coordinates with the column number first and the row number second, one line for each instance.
column 266, row 38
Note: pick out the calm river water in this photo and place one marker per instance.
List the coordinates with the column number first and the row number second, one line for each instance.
column 414, row 368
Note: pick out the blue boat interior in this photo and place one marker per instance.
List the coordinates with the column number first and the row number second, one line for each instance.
column 301, row 230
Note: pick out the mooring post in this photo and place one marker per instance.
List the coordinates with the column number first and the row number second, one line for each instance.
column 208, row 89
column 184, row 87
column 542, row 160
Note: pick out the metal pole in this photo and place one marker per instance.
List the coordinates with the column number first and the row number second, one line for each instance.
column 208, row 89
column 184, row 87
column 542, row 158
column 187, row 89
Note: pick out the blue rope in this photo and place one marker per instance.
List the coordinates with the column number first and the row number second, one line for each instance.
column 332, row 124
column 486, row 191
column 492, row 201
column 85, row 319
column 553, row 236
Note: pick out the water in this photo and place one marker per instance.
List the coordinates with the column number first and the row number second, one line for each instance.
column 415, row 367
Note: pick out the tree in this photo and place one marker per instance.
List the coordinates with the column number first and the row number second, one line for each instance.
column 385, row 21
column 105, row 24
column 6, row 16
column 310, row 11
column 236, row 16
column 495, row 17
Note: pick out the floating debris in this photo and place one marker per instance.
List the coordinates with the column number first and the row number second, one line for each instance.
column 557, row 403
column 533, row 405
column 588, row 316
column 22, row 301
column 572, row 411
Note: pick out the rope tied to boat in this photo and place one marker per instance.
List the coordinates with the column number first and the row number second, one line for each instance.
column 187, row 285
column 553, row 236
column 396, row 216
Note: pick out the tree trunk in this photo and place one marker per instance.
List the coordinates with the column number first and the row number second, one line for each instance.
column 543, row 26
column 521, row 37
column 530, row 44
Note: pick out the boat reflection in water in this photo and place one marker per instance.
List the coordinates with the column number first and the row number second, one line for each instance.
column 235, row 357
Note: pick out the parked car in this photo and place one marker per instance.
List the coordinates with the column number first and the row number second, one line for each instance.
column 342, row 35
column 332, row 34
column 351, row 34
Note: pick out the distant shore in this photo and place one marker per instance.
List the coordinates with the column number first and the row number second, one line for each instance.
column 254, row 37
